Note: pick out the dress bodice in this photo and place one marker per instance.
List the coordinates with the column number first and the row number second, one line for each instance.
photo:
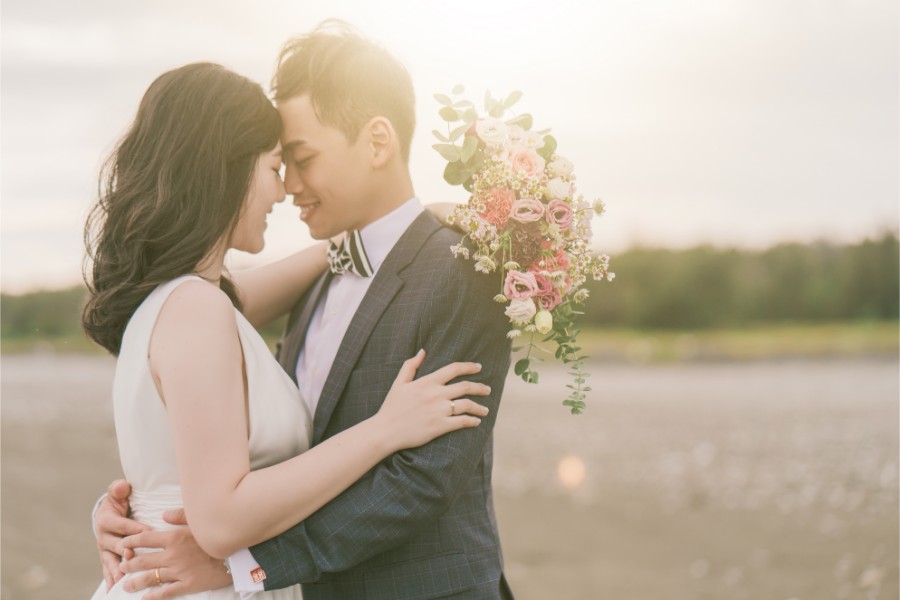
column 280, row 425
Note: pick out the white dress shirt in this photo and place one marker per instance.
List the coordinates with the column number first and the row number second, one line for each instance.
column 323, row 338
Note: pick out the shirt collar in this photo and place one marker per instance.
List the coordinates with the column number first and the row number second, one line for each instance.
column 380, row 236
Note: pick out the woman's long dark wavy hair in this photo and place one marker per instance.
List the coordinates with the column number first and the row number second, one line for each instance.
column 172, row 190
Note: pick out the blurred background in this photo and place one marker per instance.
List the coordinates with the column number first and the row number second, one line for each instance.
column 741, row 439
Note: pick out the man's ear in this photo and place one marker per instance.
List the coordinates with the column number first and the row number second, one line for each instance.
column 382, row 140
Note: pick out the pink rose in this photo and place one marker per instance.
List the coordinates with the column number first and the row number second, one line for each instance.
column 551, row 300
column 520, row 286
column 527, row 210
column 527, row 161
column 544, row 285
column 559, row 213
column 498, row 203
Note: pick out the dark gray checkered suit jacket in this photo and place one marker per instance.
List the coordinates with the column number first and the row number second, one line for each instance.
column 421, row 524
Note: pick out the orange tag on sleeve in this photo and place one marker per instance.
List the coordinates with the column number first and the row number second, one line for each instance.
column 257, row 574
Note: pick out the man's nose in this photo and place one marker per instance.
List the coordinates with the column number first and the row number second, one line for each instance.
column 293, row 184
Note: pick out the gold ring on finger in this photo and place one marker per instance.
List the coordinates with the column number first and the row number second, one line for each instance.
column 452, row 407
column 158, row 580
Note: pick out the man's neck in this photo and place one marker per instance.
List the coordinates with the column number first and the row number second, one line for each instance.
column 392, row 194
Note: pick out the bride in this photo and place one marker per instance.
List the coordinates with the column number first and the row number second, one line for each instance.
column 205, row 417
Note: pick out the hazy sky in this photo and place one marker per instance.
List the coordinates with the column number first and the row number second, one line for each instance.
column 734, row 122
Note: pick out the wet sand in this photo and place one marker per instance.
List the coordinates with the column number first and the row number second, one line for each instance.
column 749, row 480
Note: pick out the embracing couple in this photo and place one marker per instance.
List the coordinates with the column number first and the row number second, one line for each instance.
column 358, row 462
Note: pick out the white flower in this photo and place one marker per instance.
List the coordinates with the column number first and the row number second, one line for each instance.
column 515, row 135
column 543, row 321
column 581, row 295
column 533, row 139
column 500, row 298
column 521, row 312
column 491, row 130
column 459, row 250
column 558, row 188
column 562, row 167
column 484, row 264
column 599, row 206
column 513, row 334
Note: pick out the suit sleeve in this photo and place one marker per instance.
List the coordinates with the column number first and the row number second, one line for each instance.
column 389, row 505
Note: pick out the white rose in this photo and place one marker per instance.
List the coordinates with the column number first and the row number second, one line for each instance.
column 492, row 131
column 521, row 311
column 533, row 139
column 561, row 167
column 543, row 321
column 558, row 188
column 516, row 135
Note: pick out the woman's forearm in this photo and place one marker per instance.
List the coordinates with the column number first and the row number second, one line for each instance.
column 270, row 291
column 267, row 502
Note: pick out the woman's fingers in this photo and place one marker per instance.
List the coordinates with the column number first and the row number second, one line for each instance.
column 467, row 388
column 452, row 371
column 465, row 406
column 462, row 422
column 409, row 367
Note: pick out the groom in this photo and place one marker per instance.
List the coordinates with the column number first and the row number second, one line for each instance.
column 421, row 524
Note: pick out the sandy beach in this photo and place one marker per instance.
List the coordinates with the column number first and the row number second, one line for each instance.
column 729, row 480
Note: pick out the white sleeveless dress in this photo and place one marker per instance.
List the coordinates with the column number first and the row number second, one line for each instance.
column 280, row 427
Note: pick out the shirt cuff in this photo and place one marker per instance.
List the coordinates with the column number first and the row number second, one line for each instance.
column 94, row 514
column 243, row 565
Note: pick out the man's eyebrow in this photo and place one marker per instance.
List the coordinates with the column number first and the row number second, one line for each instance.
column 287, row 149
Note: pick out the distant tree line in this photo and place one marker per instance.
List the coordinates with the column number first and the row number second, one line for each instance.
column 701, row 287
column 706, row 287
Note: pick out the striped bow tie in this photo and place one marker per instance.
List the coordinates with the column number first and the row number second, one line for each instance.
column 349, row 256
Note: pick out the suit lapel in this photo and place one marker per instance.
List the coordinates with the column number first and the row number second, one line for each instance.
column 295, row 334
column 381, row 292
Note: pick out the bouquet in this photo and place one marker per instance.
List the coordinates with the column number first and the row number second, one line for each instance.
column 527, row 222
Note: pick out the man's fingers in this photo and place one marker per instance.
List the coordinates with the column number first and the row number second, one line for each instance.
column 140, row 581
column 167, row 591
column 144, row 562
column 175, row 517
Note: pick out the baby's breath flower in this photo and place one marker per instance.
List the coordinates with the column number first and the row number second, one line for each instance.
column 513, row 333
column 500, row 298
column 512, row 266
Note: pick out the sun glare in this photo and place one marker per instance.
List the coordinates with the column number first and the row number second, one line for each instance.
column 571, row 472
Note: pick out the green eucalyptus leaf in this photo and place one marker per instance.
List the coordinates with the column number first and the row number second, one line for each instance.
column 469, row 148
column 440, row 136
column 521, row 366
column 532, row 377
column 449, row 114
column 454, row 135
column 548, row 148
column 524, row 121
column 455, row 173
column 512, row 98
column 443, row 99
column 448, row 151
column 469, row 116
column 458, row 89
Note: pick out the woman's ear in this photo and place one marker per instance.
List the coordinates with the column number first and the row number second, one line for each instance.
column 382, row 140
